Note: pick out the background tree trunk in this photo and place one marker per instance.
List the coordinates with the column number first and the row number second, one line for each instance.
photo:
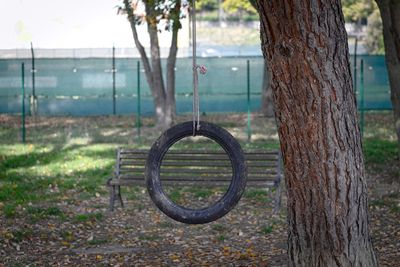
column 390, row 13
column 171, row 63
column 267, row 105
column 305, row 45
column 170, row 106
column 163, row 96
column 157, row 86
column 267, row 102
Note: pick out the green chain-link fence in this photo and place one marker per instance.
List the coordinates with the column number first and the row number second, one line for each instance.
column 82, row 87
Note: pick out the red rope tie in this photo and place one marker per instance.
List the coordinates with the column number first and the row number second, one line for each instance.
column 202, row 69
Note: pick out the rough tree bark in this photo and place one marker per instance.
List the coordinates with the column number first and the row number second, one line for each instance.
column 305, row 45
column 390, row 13
column 163, row 95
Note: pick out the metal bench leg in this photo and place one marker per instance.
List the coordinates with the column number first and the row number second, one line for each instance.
column 112, row 197
column 119, row 196
column 277, row 185
column 115, row 194
column 277, row 200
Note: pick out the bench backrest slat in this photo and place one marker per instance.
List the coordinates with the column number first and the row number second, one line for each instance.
column 202, row 156
column 204, row 163
column 256, row 171
column 182, row 152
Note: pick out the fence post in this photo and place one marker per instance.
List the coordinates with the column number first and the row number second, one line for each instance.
column 23, row 103
column 33, row 100
column 138, row 121
column 248, row 103
column 113, row 71
column 362, row 96
column 355, row 67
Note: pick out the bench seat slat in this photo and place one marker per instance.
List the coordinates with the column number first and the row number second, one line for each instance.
column 200, row 163
column 190, row 183
column 195, row 178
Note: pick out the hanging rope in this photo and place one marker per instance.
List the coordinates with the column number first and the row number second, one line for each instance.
column 202, row 69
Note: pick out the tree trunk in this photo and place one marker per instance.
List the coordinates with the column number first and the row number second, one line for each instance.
column 267, row 105
column 305, row 45
column 390, row 13
column 163, row 100
column 157, row 87
column 170, row 104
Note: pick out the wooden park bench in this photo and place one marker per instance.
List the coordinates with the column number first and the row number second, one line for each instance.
column 196, row 168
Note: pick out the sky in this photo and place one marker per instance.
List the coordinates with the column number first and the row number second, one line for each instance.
column 65, row 24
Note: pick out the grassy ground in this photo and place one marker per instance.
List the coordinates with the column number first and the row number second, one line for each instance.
column 228, row 36
column 76, row 155
column 57, row 179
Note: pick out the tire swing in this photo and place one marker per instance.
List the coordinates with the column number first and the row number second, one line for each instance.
column 196, row 128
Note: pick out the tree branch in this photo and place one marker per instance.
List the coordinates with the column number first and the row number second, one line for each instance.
column 173, row 50
column 139, row 46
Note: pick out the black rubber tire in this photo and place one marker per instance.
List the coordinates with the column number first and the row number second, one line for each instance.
column 226, row 203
